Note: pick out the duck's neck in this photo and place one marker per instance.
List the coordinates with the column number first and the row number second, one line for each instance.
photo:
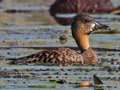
column 82, row 41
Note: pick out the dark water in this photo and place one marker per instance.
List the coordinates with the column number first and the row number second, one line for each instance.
column 34, row 31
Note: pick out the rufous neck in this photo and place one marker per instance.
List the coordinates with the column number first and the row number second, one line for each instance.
column 82, row 41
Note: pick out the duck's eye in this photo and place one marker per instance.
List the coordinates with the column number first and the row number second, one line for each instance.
column 86, row 20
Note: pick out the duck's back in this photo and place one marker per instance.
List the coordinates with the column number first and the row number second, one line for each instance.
column 61, row 56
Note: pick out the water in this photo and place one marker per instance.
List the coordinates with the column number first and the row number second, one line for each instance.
column 28, row 33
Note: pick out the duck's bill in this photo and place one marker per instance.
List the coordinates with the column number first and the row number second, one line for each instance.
column 99, row 25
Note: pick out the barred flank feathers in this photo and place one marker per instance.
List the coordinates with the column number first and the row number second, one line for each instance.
column 52, row 55
column 63, row 56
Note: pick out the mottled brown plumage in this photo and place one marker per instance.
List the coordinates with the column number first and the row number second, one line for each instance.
column 62, row 56
column 81, row 27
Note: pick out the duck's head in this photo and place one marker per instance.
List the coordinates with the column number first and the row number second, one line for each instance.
column 82, row 26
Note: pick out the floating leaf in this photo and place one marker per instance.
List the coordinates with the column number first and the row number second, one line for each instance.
column 97, row 80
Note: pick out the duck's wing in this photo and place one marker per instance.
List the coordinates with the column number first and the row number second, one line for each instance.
column 61, row 56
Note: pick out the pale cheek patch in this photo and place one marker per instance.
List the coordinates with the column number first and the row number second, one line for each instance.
column 92, row 26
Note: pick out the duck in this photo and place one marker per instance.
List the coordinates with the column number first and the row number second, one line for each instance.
column 82, row 26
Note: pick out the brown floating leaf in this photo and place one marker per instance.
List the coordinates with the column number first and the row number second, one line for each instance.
column 116, row 12
column 63, row 39
column 84, row 83
column 97, row 80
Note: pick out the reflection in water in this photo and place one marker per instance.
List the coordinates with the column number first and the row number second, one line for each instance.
column 79, row 6
column 63, row 21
